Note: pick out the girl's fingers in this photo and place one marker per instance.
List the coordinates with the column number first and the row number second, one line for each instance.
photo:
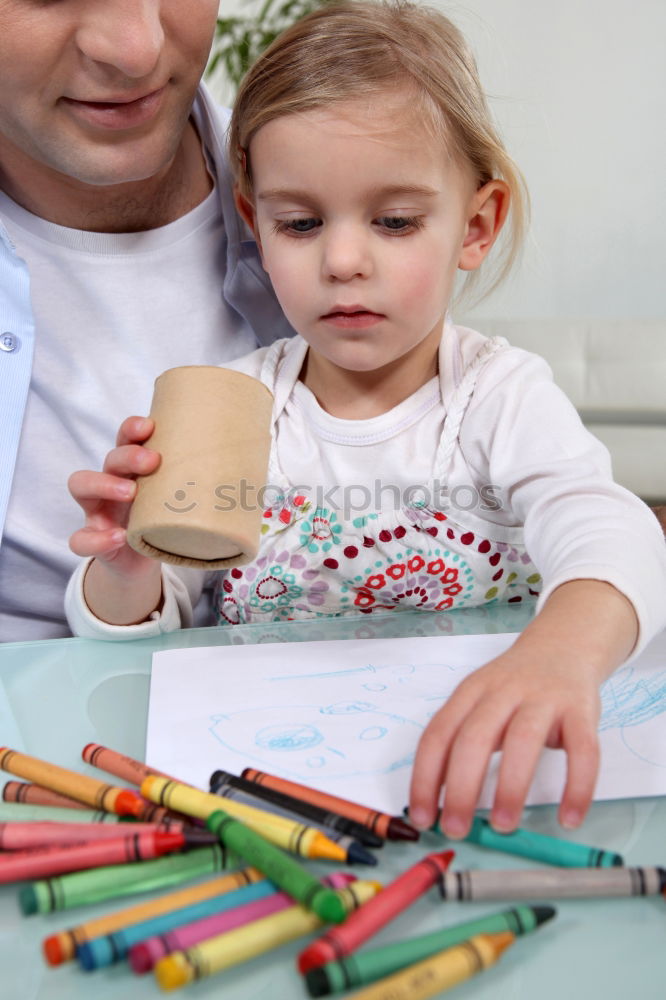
column 579, row 739
column 524, row 740
column 131, row 460
column 135, row 430
column 101, row 544
column 89, row 488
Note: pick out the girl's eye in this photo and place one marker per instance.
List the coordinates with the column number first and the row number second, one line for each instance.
column 399, row 223
column 297, row 226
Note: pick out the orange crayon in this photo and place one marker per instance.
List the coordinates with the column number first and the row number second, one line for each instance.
column 61, row 946
column 96, row 794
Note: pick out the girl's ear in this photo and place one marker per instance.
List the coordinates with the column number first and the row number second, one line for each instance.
column 245, row 209
column 487, row 212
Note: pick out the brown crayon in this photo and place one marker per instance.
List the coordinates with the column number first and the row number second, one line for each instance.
column 35, row 795
column 119, row 765
column 389, row 827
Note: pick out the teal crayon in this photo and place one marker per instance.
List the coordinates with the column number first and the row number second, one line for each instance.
column 540, row 847
column 110, row 948
column 553, row 883
column 115, row 881
column 363, row 967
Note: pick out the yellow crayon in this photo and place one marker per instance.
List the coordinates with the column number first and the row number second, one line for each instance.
column 95, row 793
column 61, row 946
column 288, row 834
column 441, row 971
column 243, row 943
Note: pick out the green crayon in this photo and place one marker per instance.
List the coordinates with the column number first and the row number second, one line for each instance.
column 277, row 866
column 361, row 968
column 113, row 881
column 540, row 847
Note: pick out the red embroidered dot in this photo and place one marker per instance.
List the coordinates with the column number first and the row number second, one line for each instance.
column 368, row 542
column 432, row 531
column 331, row 563
column 236, row 573
column 449, row 533
column 514, row 600
column 498, row 575
column 226, row 586
column 439, row 516
column 400, row 532
column 351, row 552
column 494, row 558
column 467, row 538
column 385, row 536
column 484, row 546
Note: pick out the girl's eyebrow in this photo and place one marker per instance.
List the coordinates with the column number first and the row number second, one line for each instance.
column 387, row 191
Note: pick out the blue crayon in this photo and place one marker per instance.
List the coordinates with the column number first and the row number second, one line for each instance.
column 109, row 948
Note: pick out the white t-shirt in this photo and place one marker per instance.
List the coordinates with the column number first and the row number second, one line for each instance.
column 112, row 285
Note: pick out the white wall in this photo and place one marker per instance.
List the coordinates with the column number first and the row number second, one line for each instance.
column 579, row 90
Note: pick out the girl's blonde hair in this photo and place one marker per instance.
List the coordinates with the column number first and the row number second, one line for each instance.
column 356, row 48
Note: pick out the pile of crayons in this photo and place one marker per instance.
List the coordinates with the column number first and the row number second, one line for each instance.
column 74, row 840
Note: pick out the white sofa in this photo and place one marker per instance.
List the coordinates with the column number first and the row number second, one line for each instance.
column 614, row 371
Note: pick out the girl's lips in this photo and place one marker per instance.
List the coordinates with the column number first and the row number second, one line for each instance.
column 358, row 319
column 117, row 115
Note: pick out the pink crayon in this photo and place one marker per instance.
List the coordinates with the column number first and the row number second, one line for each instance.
column 24, row 836
column 143, row 956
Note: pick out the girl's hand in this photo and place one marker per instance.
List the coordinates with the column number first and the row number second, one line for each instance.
column 543, row 692
column 121, row 586
column 518, row 703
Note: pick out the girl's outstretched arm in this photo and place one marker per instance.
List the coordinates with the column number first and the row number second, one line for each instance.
column 121, row 586
column 543, row 692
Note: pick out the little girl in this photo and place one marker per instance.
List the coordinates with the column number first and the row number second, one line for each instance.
column 369, row 172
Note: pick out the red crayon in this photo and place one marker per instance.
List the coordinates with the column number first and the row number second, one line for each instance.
column 360, row 925
column 389, row 827
column 24, row 836
column 120, row 765
column 20, row 865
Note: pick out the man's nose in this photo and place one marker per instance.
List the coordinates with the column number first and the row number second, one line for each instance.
column 124, row 34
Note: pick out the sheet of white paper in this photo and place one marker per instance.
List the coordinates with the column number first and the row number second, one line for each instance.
column 346, row 716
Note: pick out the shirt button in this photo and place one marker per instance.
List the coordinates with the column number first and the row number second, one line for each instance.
column 9, row 342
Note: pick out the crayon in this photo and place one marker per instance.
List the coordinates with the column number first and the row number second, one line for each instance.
column 119, row 765
column 442, row 971
column 143, row 956
column 113, row 881
column 23, row 836
column 110, row 948
column 61, row 946
column 29, row 793
column 539, row 847
column 19, row 866
column 285, row 833
column 355, row 853
column 556, row 883
column 239, row 838
column 92, row 792
column 367, row 966
column 366, row 921
column 19, row 812
column 316, row 815
column 244, row 943
column 388, row 827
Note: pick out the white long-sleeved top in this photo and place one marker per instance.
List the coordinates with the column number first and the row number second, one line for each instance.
column 528, row 501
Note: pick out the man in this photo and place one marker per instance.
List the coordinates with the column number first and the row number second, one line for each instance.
column 121, row 255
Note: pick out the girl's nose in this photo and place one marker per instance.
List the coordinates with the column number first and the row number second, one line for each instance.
column 126, row 35
column 346, row 255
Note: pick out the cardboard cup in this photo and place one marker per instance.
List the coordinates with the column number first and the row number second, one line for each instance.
column 200, row 507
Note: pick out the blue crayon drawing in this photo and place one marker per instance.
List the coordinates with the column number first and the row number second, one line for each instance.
column 634, row 704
